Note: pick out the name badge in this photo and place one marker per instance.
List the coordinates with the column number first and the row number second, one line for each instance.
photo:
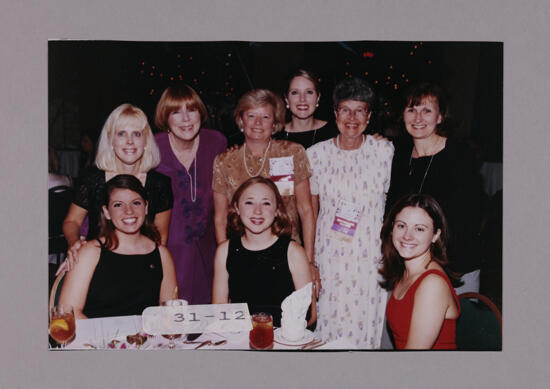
column 346, row 219
column 187, row 319
column 281, row 170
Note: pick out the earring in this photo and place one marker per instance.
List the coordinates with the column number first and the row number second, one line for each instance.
column 287, row 106
column 317, row 104
column 242, row 129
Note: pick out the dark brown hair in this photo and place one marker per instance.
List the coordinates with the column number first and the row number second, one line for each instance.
column 171, row 100
column 393, row 265
column 281, row 225
column 106, row 227
column 416, row 93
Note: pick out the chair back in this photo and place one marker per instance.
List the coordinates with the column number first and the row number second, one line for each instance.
column 479, row 326
column 59, row 200
column 56, row 290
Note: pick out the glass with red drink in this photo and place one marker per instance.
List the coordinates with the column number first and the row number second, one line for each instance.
column 62, row 324
column 261, row 335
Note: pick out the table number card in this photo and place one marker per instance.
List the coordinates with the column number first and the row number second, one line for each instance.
column 186, row 319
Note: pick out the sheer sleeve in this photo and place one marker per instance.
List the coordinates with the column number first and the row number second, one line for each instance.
column 159, row 189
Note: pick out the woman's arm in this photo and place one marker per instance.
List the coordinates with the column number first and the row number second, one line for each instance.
column 301, row 274
column 307, row 221
column 76, row 283
column 71, row 229
column 315, row 207
column 162, row 222
column 431, row 302
column 221, row 208
column 220, row 285
column 169, row 284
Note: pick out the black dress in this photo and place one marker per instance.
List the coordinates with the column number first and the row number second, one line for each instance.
column 309, row 138
column 124, row 284
column 452, row 177
column 260, row 278
column 90, row 192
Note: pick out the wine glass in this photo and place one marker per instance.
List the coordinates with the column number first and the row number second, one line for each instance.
column 62, row 324
column 171, row 337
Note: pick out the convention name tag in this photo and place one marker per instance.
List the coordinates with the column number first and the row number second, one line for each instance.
column 187, row 319
column 346, row 219
column 281, row 171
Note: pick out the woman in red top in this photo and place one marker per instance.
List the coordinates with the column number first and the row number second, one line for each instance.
column 423, row 308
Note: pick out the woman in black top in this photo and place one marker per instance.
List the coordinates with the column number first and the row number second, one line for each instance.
column 429, row 162
column 126, row 146
column 259, row 264
column 125, row 270
column 302, row 96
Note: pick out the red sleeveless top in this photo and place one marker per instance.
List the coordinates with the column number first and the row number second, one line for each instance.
column 399, row 314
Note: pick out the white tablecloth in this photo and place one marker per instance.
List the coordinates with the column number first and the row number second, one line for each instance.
column 99, row 334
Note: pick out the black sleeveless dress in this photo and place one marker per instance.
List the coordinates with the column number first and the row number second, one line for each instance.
column 260, row 278
column 124, row 284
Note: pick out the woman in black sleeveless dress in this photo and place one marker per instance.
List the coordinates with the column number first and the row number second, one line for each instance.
column 125, row 270
column 259, row 264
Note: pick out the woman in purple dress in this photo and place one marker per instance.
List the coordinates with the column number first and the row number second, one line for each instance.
column 187, row 157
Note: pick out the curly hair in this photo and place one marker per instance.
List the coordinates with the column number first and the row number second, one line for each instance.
column 354, row 89
column 106, row 227
column 393, row 265
column 281, row 225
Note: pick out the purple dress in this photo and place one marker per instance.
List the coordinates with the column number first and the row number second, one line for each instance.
column 191, row 238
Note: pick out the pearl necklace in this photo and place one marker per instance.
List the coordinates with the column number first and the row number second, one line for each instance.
column 193, row 195
column 263, row 160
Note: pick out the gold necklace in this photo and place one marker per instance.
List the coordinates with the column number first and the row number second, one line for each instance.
column 263, row 160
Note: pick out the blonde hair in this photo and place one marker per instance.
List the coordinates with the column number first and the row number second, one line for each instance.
column 171, row 100
column 257, row 98
column 125, row 115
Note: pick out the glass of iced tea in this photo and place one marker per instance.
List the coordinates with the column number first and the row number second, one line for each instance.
column 171, row 337
column 62, row 324
column 261, row 335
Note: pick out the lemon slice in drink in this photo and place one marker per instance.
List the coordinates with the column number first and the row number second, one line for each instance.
column 59, row 324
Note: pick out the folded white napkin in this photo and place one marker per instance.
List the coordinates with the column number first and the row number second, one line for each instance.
column 293, row 312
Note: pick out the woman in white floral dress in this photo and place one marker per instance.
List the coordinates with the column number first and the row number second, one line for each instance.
column 351, row 175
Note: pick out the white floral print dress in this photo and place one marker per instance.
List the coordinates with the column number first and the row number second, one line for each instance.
column 351, row 303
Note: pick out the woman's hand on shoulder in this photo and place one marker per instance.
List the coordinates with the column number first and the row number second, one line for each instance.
column 72, row 256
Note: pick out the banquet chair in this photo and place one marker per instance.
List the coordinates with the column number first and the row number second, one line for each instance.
column 59, row 200
column 479, row 326
column 56, row 290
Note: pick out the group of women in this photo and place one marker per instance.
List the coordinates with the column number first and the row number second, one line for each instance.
column 256, row 222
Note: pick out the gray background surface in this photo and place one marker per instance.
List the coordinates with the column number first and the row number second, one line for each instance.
column 27, row 25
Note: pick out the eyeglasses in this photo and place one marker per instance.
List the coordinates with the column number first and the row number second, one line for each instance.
column 359, row 113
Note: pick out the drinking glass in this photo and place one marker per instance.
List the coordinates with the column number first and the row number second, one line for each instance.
column 171, row 337
column 261, row 335
column 62, row 324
